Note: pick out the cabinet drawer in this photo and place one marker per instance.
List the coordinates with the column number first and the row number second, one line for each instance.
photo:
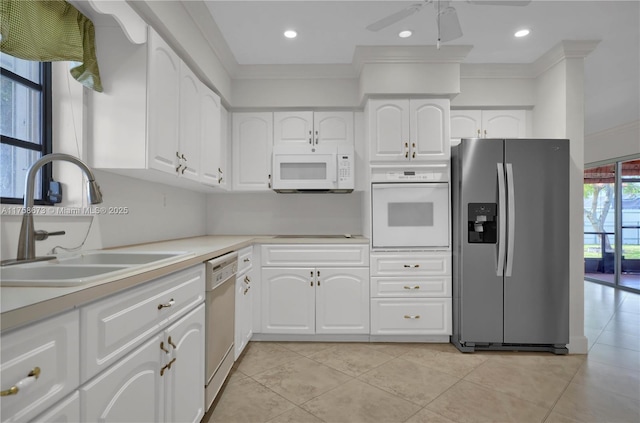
column 53, row 347
column 411, row 287
column 414, row 264
column 245, row 259
column 316, row 255
column 425, row 316
column 116, row 325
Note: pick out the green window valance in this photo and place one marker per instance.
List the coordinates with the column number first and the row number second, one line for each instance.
column 51, row 30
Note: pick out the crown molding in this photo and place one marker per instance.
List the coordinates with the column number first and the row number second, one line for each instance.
column 408, row 54
column 566, row 49
column 202, row 18
column 496, row 70
column 295, row 71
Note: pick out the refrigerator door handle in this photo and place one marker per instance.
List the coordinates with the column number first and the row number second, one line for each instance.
column 512, row 218
column 502, row 214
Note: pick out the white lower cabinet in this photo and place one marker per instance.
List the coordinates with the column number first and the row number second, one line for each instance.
column 39, row 366
column 65, row 411
column 315, row 300
column 162, row 380
column 244, row 301
column 411, row 293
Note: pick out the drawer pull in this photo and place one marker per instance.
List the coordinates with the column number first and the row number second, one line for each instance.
column 163, row 348
column 412, row 287
column 166, row 305
column 247, row 280
column 413, row 266
column 246, row 290
column 246, row 260
column 24, row 383
column 407, row 316
column 172, row 344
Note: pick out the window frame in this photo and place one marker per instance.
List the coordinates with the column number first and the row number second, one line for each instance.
column 46, row 129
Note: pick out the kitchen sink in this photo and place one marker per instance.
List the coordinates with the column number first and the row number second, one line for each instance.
column 53, row 274
column 85, row 268
column 104, row 257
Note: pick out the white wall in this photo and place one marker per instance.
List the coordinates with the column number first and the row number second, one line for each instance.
column 559, row 113
column 269, row 213
column 495, row 92
column 613, row 143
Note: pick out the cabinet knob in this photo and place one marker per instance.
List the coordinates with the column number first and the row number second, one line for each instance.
column 22, row 384
column 413, row 155
column 406, row 154
column 311, row 283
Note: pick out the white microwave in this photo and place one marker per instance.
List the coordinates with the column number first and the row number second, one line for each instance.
column 321, row 168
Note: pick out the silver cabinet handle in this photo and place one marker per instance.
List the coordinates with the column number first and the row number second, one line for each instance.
column 408, row 316
column 166, row 305
column 24, row 383
column 412, row 266
column 412, row 287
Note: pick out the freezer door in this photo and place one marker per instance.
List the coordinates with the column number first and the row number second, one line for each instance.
column 536, row 285
column 478, row 286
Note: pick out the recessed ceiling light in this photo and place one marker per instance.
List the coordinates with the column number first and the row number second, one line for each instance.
column 522, row 33
column 405, row 34
column 290, row 33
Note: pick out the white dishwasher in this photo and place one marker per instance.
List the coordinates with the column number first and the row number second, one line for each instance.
column 220, row 316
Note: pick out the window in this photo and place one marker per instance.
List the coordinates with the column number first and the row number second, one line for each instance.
column 25, row 126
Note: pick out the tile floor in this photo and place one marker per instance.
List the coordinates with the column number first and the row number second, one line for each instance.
column 419, row 383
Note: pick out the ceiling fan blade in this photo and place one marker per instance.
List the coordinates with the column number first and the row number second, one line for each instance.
column 396, row 17
column 449, row 25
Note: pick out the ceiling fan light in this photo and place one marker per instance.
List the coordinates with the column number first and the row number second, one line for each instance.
column 521, row 33
column 449, row 25
column 290, row 33
column 405, row 34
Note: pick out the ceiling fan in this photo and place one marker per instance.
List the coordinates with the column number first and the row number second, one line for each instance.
column 446, row 18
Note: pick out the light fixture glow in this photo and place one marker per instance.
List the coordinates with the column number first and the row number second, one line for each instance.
column 290, row 33
column 522, row 33
column 405, row 34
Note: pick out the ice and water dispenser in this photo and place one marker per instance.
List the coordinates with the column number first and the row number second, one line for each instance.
column 483, row 223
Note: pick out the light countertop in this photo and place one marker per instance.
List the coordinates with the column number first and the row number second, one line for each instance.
column 23, row 305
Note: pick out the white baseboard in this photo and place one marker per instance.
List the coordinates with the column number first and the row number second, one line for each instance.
column 578, row 344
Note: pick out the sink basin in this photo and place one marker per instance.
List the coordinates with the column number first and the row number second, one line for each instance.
column 54, row 274
column 88, row 267
column 103, row 257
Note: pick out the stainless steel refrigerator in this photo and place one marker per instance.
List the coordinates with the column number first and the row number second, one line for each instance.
column 510, row 244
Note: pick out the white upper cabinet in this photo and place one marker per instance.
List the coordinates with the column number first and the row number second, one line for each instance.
column 409, row 130
column 214, row 146
column 154, row 114
column 313, row 128
column 489, row 124
column 252, row 142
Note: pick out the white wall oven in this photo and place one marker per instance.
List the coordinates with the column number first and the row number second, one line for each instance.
column 410, row 209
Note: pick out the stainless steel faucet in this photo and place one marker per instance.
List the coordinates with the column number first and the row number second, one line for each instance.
column 28, row 236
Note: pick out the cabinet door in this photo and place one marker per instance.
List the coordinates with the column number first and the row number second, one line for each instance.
column 252, row 146
column 288, row 300
column 342, row 300
column 163, row 105
column 333, row 128
column 429, row 131
column 189, row 124
column 293, row 128
column 132, row 390
column 224, row 170
column 184, row 380
column 389, row 130
column 51, row 346
column 244, row 313
column 466, row 123
column 211, row 137
column 67, row 410
column 504, row 123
